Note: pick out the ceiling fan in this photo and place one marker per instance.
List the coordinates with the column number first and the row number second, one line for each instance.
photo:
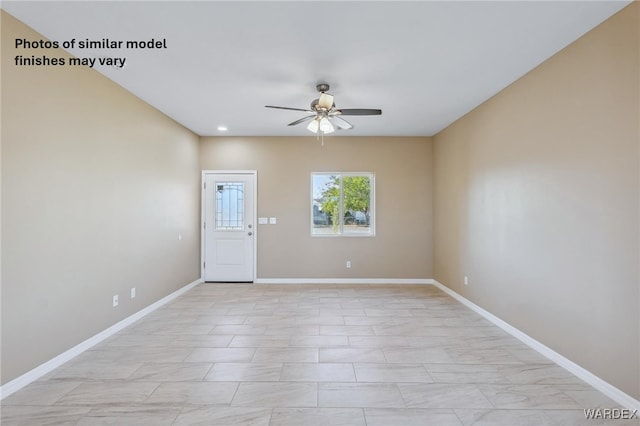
column 324, row 116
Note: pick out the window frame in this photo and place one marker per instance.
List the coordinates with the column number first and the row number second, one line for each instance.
column 372, row 205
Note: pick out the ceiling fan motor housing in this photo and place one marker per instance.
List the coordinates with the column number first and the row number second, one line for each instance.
column 314, row 105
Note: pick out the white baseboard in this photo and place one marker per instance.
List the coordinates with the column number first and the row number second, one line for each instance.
column 33, row 375
column 606, row 388
column 343, row 281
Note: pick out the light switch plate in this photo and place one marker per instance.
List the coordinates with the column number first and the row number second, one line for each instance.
column 272, row 220
column 262, row 221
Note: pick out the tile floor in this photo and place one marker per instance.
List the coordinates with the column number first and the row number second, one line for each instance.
column 241, row 354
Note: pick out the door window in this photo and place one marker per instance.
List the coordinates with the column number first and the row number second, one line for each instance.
column 229, row 206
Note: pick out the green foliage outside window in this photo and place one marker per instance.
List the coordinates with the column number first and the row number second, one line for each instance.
column 342, row 202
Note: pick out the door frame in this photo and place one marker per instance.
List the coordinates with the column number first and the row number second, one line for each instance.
column 254, row 176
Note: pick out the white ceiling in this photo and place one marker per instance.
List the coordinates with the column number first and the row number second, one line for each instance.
column 425, row 64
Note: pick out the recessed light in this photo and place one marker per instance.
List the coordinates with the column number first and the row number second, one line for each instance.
column 222, row 128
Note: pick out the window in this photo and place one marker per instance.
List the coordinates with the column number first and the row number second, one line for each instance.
column 229, row 206
column 342, row 204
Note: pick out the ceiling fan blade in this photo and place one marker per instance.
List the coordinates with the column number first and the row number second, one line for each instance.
column 291, row 109
column 325, row 101
column 302, row 120
column 356, row 111
column 343, row 124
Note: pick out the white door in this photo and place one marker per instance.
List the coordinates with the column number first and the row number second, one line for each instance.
column 229, row 226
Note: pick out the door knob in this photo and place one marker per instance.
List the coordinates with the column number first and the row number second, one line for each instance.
column 250, row 233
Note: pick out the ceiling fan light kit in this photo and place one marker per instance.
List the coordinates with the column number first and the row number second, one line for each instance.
column 326, row 126
column 324, row 116
column 314, row 126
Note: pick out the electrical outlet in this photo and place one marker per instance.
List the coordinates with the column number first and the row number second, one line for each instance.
column 466, row 280
column 348, row 264
column 133, row 292
column 115, row 300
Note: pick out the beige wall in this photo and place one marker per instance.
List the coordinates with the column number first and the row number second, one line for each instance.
column 96, row 187
column 403, row 173
column 536, row 201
